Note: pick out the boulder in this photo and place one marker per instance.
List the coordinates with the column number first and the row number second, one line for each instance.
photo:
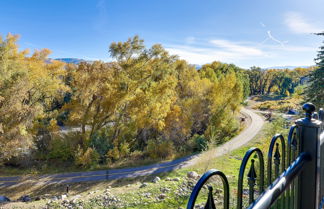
column 4, row 199
column 192, row 175
column 144, row 185
column 176, row 179
column 156, row 179
column 25, row 198
column 63, row 197
column 161, row 196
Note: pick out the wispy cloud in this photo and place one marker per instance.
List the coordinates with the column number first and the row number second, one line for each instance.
column 206, row 51
column 270, row 36
column 233, row 47
column 221, row 50
column 299, row 24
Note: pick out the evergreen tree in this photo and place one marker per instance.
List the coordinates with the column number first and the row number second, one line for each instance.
column 315, row 91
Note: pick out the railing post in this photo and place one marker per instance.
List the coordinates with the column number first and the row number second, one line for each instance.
column 308, row 196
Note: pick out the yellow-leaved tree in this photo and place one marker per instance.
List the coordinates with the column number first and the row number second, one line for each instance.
column 28, row 85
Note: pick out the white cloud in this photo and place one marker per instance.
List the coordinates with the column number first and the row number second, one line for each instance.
column 221, row 50
column 196, row 55
column 236, row 48
column 202, row 52
column 298, row 24
column 270, row 36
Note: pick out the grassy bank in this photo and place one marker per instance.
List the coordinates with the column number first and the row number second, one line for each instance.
column 172, row 191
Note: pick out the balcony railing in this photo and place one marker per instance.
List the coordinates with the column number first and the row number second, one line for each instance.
column 294, row 173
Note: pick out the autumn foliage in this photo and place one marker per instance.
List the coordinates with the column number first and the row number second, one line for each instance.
column 147, row 103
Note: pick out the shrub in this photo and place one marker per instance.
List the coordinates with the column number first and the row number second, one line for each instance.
column 160, row 149
column 124, row 149
column 113, row 154
column 61, row 148
column 99, row 141
column 136, row 155
column 119, row 151
column 86, row 159
column 201, row 143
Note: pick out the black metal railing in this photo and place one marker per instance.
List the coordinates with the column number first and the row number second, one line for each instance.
column 210, row 201
column 252, row 176
column 294, row 174
column 281, row 184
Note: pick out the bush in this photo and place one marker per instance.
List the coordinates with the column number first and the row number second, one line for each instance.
column 99, row 141
column 61, row 148
column 86, row 159
column 113, row 154
column 136, row 155
column 160, row 149
column 197, row 143
column 119, row 151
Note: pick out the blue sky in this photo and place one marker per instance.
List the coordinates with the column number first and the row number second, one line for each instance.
column 244, row 32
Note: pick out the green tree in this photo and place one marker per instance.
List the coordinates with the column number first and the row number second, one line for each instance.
column 315, row 90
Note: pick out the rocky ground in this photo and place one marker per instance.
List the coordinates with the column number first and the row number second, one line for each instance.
column 174, row 190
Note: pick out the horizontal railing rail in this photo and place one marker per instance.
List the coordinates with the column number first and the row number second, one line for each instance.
column 279, row 186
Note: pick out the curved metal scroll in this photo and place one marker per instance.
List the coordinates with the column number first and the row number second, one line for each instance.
column 245, row 160
column 202, row 181
column 270, row 154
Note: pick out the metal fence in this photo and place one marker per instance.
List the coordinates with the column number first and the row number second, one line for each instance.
column 294, row 174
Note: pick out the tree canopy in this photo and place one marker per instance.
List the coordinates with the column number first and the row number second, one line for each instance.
column 315, row 91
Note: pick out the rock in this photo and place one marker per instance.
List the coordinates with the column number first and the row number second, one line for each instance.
column 54, row 198
column 176, row 179
column 156, row 179
column 144, row 185
column 192, row 175
column 75, row 198
column 168, row 179
column 63, row 196
column 161, row 196
column 147, row 195
column 165, row 190
column 4, row 199
column 25, row 198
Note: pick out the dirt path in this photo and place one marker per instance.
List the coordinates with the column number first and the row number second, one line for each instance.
column 255, row 123
column 254, row 126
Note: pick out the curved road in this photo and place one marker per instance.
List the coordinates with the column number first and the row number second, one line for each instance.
column 255, row 125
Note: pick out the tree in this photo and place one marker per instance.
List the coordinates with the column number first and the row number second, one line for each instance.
column 315, row 90
column 28, row 85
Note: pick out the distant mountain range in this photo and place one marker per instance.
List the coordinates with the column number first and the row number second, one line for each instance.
column 285, row 67
column 71, row 60
column 78, row 61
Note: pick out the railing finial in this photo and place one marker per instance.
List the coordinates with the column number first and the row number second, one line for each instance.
column 309, row 108
column 210, row 204
column 252, row 174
